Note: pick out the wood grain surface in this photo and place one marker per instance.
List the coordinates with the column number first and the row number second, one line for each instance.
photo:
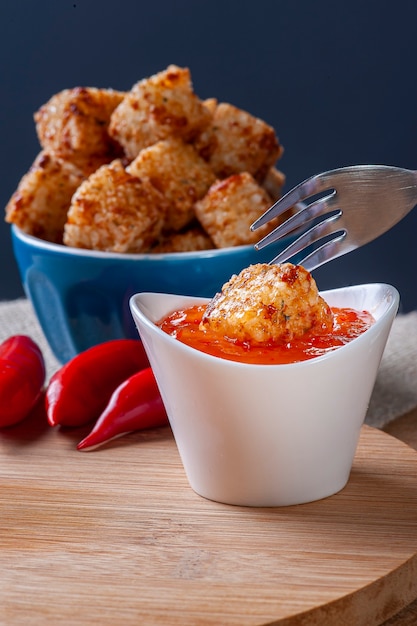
column 117, row 536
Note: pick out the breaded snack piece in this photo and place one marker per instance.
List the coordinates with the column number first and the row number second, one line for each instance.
column 268, row 303
column 161, row 106
column 273, row 183
column 236, row 141
column 41, row 201
column 190, row 240
column 229, row 208
column 115, row 211
column 73, row 125
column 179, row 173
column 211, row 104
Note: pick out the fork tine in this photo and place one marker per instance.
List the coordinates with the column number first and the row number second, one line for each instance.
column 326, row 252
column 298, row 193
column 303, row 215
column 314, row 234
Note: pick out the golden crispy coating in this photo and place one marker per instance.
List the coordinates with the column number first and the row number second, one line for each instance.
column 229, row 208
column 156, row 108
column 39, row 205
column 211, row 104
column 237, row 142
column 73, row 125
column 179, row 173
column 188, row 241
column 273, row 183
column 267, row 303
column 110, row 156
column 115, row 211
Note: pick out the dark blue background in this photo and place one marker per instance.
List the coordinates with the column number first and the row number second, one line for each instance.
column 338, row 81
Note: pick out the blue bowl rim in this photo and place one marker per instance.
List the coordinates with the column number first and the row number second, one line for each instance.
column 85, row 252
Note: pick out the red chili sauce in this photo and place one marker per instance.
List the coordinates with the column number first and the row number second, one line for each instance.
column 184, row 326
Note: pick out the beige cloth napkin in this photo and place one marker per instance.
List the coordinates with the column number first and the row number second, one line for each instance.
column 395, row 391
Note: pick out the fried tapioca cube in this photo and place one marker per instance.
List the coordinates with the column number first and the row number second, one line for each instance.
column 268, row 303
column 41, row 201
column 211, row 104
column 190, row 240
column 179, row 173
column 236, row 141
column 161, row 106
column 115, row 211
column 273, row 183
column 73, row 125
column 229, row 208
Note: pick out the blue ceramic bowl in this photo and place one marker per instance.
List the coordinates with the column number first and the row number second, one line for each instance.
column 81, row 297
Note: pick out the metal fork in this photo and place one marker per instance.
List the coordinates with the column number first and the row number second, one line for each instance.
column 364, row 201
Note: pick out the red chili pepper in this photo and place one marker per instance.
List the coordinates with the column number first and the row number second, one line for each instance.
column 80, row 390
column 22, row 376
column 135, row 405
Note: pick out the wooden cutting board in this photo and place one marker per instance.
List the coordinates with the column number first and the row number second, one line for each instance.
column 117, row 536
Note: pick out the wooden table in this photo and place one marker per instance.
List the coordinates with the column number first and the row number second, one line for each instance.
column 405, row 429
column 117, row 536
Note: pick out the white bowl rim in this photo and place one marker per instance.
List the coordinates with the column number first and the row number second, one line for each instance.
column 42, row 244
column 299, row 364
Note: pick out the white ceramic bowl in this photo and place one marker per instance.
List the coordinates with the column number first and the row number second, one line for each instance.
column 267, row 435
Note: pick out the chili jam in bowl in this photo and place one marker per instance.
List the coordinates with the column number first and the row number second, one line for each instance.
column 251, row 434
